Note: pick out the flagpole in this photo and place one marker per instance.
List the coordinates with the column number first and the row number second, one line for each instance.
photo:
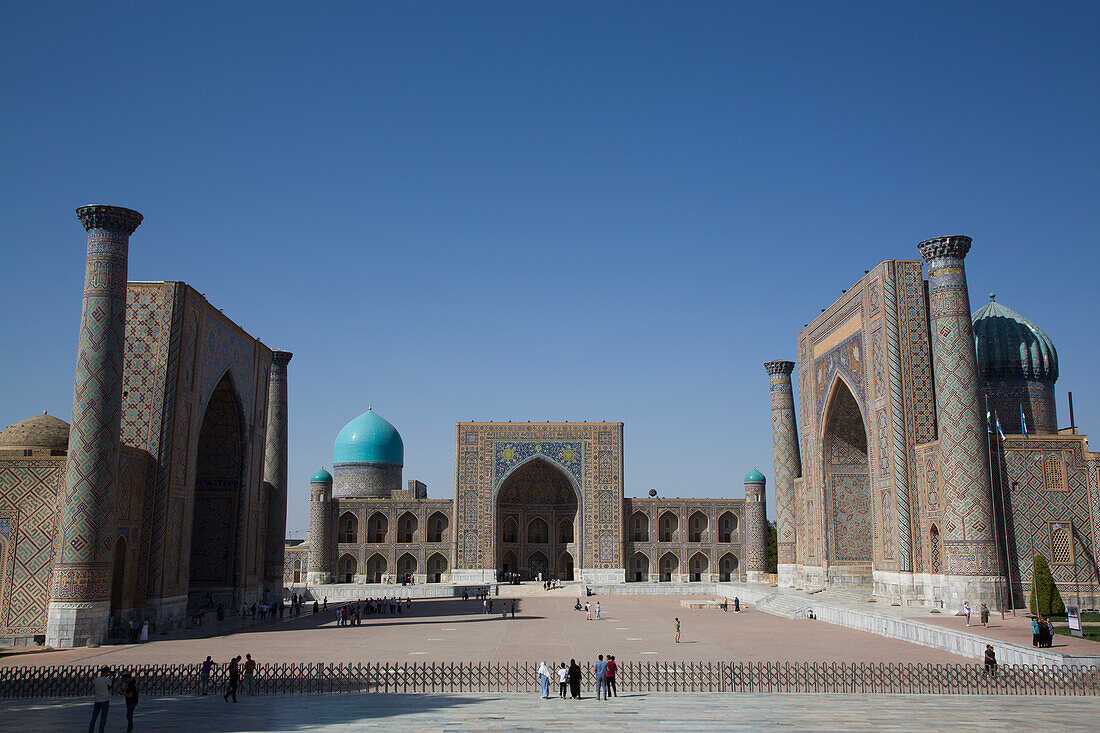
column 1004, row 523
column 992, row 497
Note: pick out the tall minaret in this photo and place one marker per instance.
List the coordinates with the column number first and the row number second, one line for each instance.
column 970, row 551
column 755, row 535
column 787, row 464
column 275, row 448
column 80, row 582
column 319, row 562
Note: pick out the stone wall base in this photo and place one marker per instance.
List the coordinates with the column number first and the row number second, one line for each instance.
column 76, row 624
column 473, row 576
column 603, row 575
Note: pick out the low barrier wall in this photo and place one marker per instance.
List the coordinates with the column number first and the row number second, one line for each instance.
column 665, row 676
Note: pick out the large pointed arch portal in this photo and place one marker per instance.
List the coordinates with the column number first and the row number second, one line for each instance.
column 848, row 506
column 539, row 499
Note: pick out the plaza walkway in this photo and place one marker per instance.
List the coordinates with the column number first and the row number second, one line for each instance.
column 638, row 628
column 638, row 712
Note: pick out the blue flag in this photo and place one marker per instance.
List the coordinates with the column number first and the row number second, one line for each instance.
column 999, row 430
column 1023, row 423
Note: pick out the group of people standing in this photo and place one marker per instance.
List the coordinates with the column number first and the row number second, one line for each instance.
column 104, row 685
column 1042, row 632
column 569, row 678
column 351, row 614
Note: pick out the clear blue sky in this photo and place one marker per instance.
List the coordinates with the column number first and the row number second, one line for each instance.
column 569, row 211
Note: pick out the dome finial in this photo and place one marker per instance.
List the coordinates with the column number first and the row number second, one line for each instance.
column 992, row 296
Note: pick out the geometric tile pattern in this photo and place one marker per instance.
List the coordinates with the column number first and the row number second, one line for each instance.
column 86, row 533
column 785, row 457
column 275, row 469
column 579, row 450
column 29, row 489
column 967, row 531
column 849, row 499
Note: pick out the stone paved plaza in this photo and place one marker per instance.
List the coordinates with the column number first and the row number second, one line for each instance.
column 634, row 628
column 516, row 712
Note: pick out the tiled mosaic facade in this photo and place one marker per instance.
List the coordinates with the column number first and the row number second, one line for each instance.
column 275, row 472
column 129, row 551
column 529, row 498
column 785, row 456
column 895, row 489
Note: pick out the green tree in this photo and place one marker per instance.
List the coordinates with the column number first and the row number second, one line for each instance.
column 1045, row 598
column 773, row 548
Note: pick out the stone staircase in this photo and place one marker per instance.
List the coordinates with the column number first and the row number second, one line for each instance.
column 786, row 605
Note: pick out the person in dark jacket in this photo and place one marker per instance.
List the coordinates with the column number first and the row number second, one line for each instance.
column 130, row 695
column 234, row 678
column 574, row 679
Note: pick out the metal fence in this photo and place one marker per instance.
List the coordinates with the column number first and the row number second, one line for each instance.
column 495, row 677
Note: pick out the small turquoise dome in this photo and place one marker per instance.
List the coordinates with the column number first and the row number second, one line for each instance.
column 754, row 477
column 321, row 477
column 1010, row 346
column 369, row 438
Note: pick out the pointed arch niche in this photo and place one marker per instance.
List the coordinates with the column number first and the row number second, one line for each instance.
column 849, row 525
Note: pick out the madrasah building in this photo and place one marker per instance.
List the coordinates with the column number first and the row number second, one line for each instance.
column 167, row 491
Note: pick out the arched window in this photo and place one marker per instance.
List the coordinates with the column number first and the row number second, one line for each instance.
column 406, row 527
column 697, row 527
column 727, row 567
column 536, row 531
column 727, row 527
column 698, row 565
column 1054, row 473
column 669, row 564
column 377, row 527
column 349, row 528
column 639, row 568
column 437, row 566
column 297, row 572
column 669, row 523
column 509, row 532
column 406, row 565
column 565, row 531
column 376, row 568
column 639, row 527
column 934, row 550
column 346, row 568
column 1061, row 543
column 437, row 527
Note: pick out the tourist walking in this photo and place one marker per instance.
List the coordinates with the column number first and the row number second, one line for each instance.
column 983, row 614
column 736, row 604
column 144, row 636
column 597, row 610
column 130, row 695
column 966, row 611
column 611, row 669
column 677, row 630
column 504, row 611
column 513, row 608
column 485, row 605
column 102, row 687
column 204, row 675
column 587, row 611
column 563, row 679
column 249, row 675
column 544, row 681
column 234, row 678
column 990, row 661
column 1035, row 631
column 574, row 679
column 601, row 677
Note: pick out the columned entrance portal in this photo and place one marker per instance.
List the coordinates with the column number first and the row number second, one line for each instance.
column 537, row 522
column 848, row 520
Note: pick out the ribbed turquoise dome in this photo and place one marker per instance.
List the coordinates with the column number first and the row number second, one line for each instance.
column 754, row 477
column 321, row 477
column 369, row 438
column 1010, row 346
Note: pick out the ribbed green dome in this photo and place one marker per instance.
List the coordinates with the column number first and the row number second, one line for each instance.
column 369, row 438
column 754, row 477
column 321, row 477
column 1010, row 346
